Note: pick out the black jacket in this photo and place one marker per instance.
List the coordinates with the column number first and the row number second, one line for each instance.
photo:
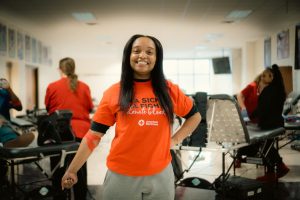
column 269, row 108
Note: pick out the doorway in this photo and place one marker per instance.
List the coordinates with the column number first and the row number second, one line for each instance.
column 32, row 100
column 287, row 75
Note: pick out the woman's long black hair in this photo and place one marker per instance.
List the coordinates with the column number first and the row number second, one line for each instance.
column 278, row 82
column 159, row 83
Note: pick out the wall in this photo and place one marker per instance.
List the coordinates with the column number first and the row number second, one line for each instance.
column 101, row 75
column 18, row 74
column 2, row 67
column 247, row 73
column 257, row 54
column 290, row 61
column 236, row 57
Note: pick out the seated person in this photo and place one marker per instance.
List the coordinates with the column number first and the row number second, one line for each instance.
column 248, row 98
column 9, row 100
column 10, row 138
column 269, row 116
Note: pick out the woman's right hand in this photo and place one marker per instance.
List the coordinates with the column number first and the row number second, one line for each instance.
column 68, row 180
column 245, row 115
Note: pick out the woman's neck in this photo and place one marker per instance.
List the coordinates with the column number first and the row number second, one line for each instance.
column 141, row 80
column 63, row 75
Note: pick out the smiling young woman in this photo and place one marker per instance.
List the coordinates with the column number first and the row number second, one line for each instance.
column 143, row 57
column 142, row 106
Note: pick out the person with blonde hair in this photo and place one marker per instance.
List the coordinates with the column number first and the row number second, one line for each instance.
column 268, row 113
column 248, row 97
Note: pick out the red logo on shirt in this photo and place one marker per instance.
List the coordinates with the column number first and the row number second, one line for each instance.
column 141, row 122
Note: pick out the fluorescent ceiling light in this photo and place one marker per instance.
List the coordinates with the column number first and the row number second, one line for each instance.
column 213, row 36
column 200, row 47
column 238, row 14
column 84, row 17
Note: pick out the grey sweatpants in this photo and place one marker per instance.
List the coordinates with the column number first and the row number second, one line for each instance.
column 157, row 187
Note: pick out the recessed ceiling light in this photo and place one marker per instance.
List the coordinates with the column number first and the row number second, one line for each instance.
column 84, row 17
column 213, row 36
column 201, row 47
column 238, row 14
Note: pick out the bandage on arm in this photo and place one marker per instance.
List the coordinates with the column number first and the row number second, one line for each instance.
column 92, row 139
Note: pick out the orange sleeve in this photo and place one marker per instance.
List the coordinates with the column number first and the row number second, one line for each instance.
column 182, row 104
column 106, row 111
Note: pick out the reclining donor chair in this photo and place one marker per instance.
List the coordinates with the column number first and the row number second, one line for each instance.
column 226, row 127
column 55, row 139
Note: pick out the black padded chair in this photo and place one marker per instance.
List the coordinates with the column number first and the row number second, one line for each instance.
column 197, row 140
column 199, row 137
column 55, row 128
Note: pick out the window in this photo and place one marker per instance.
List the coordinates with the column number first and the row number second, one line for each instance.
column 192, row 75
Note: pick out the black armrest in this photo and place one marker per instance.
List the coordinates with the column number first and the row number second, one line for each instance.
column 23, row 152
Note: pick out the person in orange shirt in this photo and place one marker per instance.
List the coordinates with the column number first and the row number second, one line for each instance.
column 142, row 107
column 68, row 93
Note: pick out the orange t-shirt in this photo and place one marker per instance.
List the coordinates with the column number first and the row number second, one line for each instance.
column 141, row 145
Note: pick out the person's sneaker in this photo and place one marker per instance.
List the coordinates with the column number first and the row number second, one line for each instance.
column 282, row 170
column 269, row 177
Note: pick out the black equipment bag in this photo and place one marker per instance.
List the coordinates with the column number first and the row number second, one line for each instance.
column 239, row 188
column 55, row 128
column 199, row 137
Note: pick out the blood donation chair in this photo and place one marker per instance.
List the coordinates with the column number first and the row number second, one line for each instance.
column 55, row 138
column 227, row 128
